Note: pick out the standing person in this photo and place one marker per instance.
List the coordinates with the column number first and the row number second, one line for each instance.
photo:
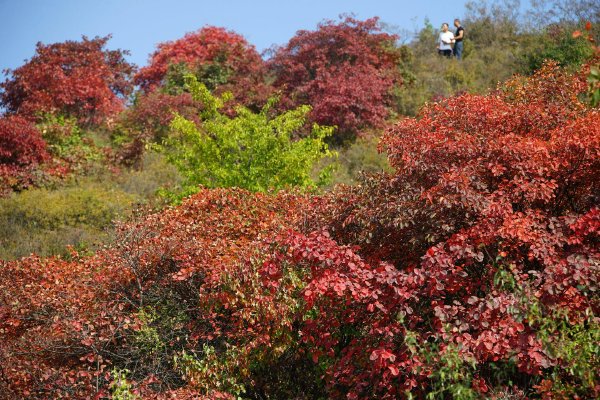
column 445, row 42
column 458, row 38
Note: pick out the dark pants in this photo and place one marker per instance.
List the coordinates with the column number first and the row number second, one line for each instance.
column 445, row 53
column 458, row 50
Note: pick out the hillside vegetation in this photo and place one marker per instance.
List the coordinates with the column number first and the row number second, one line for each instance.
column 349, row 218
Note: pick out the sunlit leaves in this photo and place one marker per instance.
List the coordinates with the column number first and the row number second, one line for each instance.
column 255, row 151
column 21, row 150
column 221, row 59
column 76, row 78
column 344, row 70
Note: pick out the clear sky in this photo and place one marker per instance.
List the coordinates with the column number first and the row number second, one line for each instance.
column 138, row 25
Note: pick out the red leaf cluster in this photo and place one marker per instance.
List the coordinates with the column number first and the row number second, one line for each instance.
column 345, row 71
column 21, row 149
column 75, row 78
column 482, row 184
column 227, row 52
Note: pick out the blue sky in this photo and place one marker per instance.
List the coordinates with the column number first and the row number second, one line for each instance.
column 138, row 25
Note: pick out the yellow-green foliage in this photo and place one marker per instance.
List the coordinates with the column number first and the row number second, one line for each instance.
column 68, row 142
column 120, row 388
column 212, row 369
column 362, row 156
column 154, row 173
column 254, row 151
column 44, row 221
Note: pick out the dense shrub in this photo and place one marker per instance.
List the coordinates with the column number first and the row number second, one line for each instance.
column 493, row 280
column 21, row 150
column 558, row 44
column 45, row 221
column 144, row 306
column 345, row 71
column 254, row 151
column 80, row 79
column 223, row 60
column 74, row 151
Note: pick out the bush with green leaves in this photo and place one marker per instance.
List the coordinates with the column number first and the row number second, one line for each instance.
column 45, row 222
column 557, row 43
column 254, row 151
column 153, row 174
column 359, row 158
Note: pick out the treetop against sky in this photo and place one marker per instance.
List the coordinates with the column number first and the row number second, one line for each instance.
column 139, row 25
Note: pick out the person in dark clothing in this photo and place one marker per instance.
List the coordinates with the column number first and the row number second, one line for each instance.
column 458, row 39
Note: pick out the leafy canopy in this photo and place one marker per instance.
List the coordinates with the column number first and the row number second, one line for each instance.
column 77, row 78
column 21, row 150
column 221, row 59
column 254, row 151
column 345, row 70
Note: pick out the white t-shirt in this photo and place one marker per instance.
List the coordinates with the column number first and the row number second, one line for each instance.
column 446, row 37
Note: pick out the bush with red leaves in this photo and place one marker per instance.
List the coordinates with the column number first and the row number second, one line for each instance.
column 144, row 306
column 223, row 60
column 21, row 150
column 481, row 221
column 76, row 78
column 345, row 71
column 470, row 271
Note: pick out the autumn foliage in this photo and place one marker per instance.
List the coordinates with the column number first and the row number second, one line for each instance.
column 66, row 324
column 471, row 271
column 345, row 70
column 490, row 273
column 223, row 60
column 81, row 79
column 21, row 150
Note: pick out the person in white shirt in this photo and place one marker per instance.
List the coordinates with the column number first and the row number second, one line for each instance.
column 445, row 42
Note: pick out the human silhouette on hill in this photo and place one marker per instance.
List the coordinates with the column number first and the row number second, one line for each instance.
column 458, row 39
column 445, row 41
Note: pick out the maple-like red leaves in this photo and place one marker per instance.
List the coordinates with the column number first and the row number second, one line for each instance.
column 345, row 71
column 487, row 190
column 221, row 59
column 475, row 263
column 21, row 150
column 80, row 79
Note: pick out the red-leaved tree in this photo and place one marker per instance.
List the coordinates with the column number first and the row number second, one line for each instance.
column 21, row 150
column 75, row 78
column 345, row 71
column 490, row 226
column 471, row 270
column 223, row 60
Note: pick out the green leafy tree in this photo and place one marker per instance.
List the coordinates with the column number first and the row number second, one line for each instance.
column 254, row 151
